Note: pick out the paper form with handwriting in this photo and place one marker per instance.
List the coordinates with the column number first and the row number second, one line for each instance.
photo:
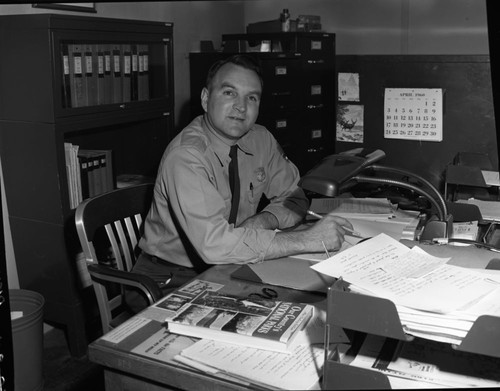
column 411, row 278
column 300, row 370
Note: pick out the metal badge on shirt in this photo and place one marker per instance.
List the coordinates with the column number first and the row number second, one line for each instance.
column 260, row 174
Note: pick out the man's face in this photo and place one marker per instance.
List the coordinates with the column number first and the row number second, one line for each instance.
column 232, row 101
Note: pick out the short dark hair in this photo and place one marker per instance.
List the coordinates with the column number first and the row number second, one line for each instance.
column 243, row 60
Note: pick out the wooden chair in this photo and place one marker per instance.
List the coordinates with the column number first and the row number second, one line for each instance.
column 109, row 227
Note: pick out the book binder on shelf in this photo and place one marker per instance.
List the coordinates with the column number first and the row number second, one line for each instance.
column 66, row 76
column 108, row 76
column 76, row 75
column 117, row 74
column 143, row 79
column 126, row 64
column 135, row 73
column 90, row 74
column 101, row 98
column 379, row 316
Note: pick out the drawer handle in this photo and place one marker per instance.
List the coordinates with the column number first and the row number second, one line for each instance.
column 314, row 150
column 320, row 106
column 285, row 93
column 315, row 61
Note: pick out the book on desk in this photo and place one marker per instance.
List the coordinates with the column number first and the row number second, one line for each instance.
column 252, row 320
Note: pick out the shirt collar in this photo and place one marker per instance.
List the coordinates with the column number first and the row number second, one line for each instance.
column 222, row 146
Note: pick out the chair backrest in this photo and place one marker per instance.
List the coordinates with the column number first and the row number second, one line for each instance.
column 109, row 227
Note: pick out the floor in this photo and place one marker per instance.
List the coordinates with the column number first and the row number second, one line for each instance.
column 61, row 372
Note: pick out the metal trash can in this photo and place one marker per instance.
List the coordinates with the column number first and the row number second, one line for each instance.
column 27, row 339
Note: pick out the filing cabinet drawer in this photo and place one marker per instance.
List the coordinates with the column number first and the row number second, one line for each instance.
column 281, row 88
column 316, row 125
column 284, row 125
column 318, row 89
column 316, row 45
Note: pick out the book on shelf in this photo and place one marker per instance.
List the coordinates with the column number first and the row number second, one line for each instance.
column 117, row 73
column 97, row 74
column 89, row 172
column 66, row 76
column 126, row 65
column 203, row 310
column 108, row 76
column 76, row 75
column 73, row 174
column 84, row 175
column 90, row 74
column 99, row 170
column 101, row 98
column 135, row 73
column 143, row 77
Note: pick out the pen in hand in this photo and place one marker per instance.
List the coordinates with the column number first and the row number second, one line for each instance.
column 350, row 231
column 326, row 250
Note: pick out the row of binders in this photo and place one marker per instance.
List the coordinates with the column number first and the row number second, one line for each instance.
column 99, row 74
column 89, row 172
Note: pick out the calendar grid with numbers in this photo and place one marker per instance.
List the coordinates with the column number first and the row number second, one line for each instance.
column 413, row 114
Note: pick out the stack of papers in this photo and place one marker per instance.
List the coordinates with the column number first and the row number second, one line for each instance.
column 358, row 208
column 370, row 217
column 300, row 369
column 434, row 300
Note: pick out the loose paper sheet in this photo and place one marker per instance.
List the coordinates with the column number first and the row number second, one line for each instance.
column 297, row 371
column 389, row 269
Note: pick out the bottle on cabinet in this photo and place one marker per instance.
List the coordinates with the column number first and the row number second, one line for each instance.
column 285, row 20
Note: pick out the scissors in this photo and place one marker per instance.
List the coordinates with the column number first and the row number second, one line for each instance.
column 267, row 293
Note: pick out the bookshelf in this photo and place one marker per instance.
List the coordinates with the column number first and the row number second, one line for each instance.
column 39, row 113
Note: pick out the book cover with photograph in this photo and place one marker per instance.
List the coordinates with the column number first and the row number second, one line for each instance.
column 205, row 311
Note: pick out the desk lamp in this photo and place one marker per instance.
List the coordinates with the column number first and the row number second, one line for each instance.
column 337, row 173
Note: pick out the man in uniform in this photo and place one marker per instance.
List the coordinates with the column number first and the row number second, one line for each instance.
column 197, row 219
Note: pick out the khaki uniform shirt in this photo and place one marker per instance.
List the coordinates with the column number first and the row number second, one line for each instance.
column 192, row 198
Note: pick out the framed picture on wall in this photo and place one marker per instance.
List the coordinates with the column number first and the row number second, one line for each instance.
column 79, row 7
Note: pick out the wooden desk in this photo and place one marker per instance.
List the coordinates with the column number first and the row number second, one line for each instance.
column 126, row 370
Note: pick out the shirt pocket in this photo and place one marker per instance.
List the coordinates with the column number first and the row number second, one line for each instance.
column 255, row 191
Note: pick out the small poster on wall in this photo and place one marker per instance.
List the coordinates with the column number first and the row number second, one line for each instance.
column 413, row 114
column 350, row 123
column 348, row 87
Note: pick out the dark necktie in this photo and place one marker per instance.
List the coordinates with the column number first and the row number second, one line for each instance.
column 234, row 183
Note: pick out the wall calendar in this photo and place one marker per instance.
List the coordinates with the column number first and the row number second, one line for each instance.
column 413, row 114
